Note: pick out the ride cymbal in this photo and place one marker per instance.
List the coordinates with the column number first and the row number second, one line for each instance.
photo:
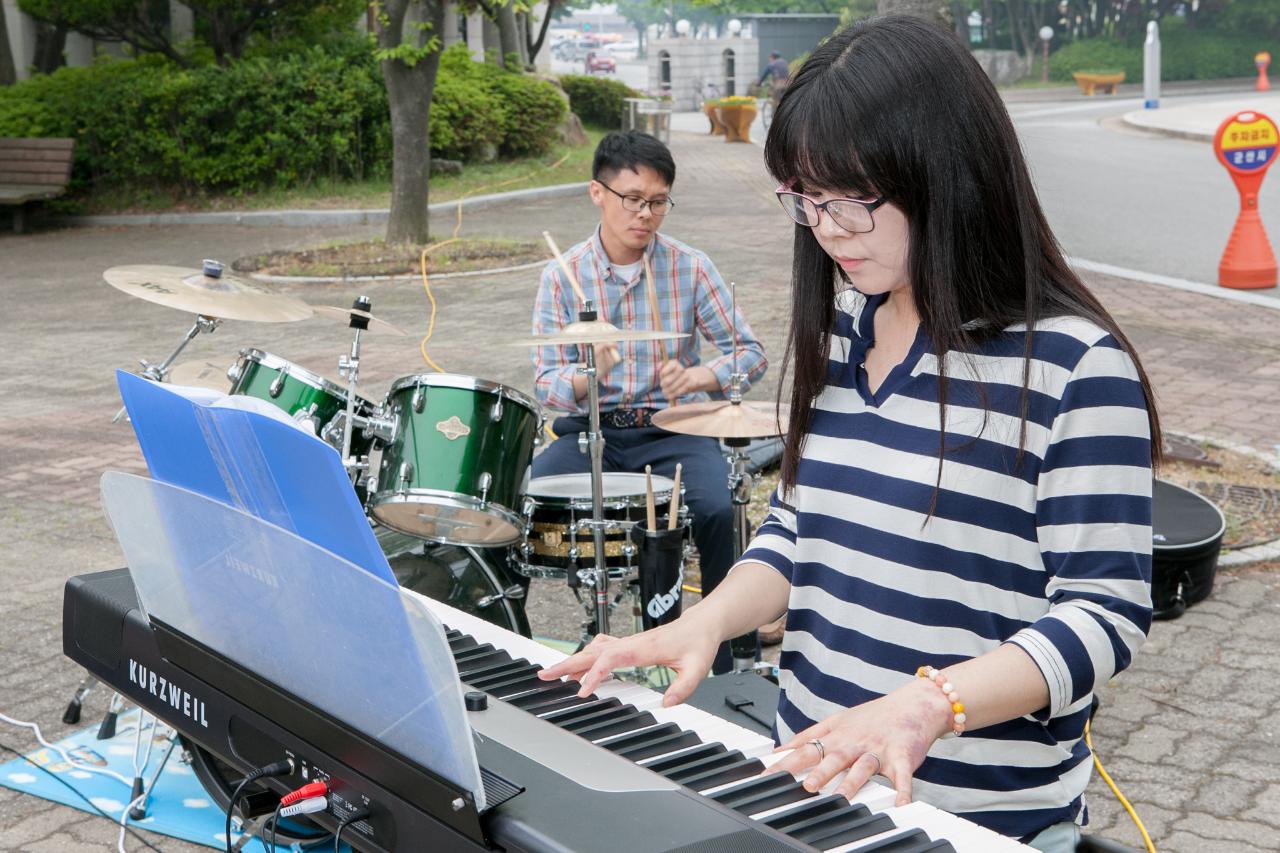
column 343, row 315
column 723, row 419
column 223, row 297
column 200, row 374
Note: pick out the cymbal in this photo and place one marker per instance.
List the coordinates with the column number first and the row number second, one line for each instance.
column 376, row 324
column 225, row 297
column 723, row 419
column 200, row 374
column 594, row 332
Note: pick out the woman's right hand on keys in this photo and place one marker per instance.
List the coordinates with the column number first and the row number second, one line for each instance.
column 685, row 646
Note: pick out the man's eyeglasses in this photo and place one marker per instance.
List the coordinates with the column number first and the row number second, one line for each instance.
column 636, row 204
column 850, row 214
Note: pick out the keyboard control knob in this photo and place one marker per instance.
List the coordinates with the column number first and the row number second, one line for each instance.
column 475, row 700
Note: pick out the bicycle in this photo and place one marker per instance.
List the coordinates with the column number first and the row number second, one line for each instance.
column 703, row 92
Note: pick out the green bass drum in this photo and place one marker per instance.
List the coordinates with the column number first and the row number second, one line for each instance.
column 457, row 464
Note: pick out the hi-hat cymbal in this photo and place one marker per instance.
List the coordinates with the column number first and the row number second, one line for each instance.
column 225, row 297
column 723, row 419
column 594, row 332
column 200, row 374
column 376, row 324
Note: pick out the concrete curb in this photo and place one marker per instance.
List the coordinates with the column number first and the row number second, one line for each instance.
column 1140, row 120
column 307, row 218
column 324, row 279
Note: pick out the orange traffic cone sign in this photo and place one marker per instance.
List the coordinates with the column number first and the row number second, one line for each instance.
column 1246, row 144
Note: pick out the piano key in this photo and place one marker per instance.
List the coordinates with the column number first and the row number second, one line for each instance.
column 477, row 650
column 513, row 685
column 574, row 712
column 620, row 725
column 658, row 765
column 691, row 768
column 550, row 696
column 601, row 715
column 473, row 675
column 743, row 768
column 806, row 812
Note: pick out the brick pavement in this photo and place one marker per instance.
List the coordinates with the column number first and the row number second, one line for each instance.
column 1189, row 732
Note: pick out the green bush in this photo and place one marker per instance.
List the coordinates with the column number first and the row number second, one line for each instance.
column 1184, row 55
column 276, row 120
column 596, row 100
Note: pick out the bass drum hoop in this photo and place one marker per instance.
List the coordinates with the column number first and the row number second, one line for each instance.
column 441, row 499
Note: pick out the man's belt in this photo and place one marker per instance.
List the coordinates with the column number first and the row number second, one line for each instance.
column 627, row 418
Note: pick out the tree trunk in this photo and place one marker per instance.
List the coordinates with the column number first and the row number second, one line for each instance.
column 535, row 47
column 51, row 41
column 492, row 41
column 508, row 36
column 523, row 34
column 409, row 89
column 960, row 17
column 930, row 10
column 8, row 71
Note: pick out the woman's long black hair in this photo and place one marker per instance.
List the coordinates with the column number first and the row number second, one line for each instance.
column 896, row 107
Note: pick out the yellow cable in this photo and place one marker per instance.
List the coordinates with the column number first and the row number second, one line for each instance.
column 1119, row 796
column 696, row 590
column 426, row 283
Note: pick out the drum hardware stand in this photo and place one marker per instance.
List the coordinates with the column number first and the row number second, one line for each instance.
column 349, row 369
column 594, row 446
column 158, row 372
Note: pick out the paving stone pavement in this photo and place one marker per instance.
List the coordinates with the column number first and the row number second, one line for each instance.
column 1190, row 732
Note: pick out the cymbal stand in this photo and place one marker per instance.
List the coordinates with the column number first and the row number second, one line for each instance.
column 349, row 368
column 744, row 648
column 158, row 372
column 594, row 446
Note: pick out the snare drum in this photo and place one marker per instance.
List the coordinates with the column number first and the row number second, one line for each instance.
column 305, row 395
column 556, row 540
column 458, row 459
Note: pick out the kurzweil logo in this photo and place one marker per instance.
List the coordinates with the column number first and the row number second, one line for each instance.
column 167, row 692
column 260, row 575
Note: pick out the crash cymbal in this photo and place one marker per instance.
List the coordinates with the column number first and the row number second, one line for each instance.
column 200, row 374
column 343, row 315
column 723, row 419
column 225, row 297
column 594, row 332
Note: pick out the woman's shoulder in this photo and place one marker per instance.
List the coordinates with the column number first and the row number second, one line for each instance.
column 1064, row 341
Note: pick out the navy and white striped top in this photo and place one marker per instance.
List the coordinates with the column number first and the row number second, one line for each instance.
column 1053, row 554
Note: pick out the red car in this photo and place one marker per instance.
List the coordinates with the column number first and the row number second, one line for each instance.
column 598, row 62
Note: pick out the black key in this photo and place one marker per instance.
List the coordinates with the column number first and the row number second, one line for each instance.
column 785, row 821
column 565, row 715
column 485, row 672
column 512, row 686
column 910, row 841
column 702, row 766
column 744, row 768
column 478, row 653
column 527, row 674
column 836, row 830
column 620, row 725
column 597, row 716
column 462, row 643
column 764, row 783
column 661, row 746
column 552, row 691
column 658, row 765
column 617, row 744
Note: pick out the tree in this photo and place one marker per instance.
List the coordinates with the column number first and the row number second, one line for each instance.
column 930, row 10
column 409, row 54
column 227, row 25
column 8, row 73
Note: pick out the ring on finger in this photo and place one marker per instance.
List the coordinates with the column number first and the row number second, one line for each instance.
column 875, row 772
column 817, row 744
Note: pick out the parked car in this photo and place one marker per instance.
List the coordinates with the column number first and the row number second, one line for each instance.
column 600, row 62
column 624, row 50
column 573, row 50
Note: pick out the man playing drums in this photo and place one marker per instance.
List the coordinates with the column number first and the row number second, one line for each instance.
column 632, row 175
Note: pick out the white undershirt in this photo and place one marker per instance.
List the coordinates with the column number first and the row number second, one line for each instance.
column 627, row 272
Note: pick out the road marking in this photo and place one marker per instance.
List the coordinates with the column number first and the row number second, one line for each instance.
column 1251, row 297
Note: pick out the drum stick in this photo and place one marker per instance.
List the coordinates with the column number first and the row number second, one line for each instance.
column 674, row 509
column 651, row 513
column 653, row 305
column 564, row 267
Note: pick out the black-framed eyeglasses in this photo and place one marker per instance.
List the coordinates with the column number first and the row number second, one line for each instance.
column 636, row 204
column 851, row 214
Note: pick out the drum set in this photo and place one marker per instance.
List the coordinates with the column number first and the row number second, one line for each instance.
column 442, row 462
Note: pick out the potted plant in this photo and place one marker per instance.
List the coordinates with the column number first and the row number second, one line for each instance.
column 709, row 110
column 736, row 113
column 1091, row 81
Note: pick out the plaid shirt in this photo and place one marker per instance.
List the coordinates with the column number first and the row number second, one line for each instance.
column 691, row 298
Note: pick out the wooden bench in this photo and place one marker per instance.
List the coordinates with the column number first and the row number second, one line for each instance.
column 33, row 170
column 1090, row 83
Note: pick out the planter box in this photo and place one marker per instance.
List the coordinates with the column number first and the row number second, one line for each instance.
column 737, row 121
column 717, row 126
column 1090, row 82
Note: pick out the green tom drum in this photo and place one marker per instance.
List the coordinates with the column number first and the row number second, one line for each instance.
column 457, row 463
column 304, row 395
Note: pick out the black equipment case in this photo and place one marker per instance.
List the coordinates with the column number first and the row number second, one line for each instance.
column 1187, row 533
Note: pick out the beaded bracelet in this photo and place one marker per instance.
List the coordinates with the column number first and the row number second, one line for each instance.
column 957, row 707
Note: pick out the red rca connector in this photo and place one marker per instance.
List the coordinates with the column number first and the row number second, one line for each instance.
column 307, row 791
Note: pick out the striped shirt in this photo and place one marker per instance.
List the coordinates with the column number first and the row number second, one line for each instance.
column 1053, row 554
column 691, row 298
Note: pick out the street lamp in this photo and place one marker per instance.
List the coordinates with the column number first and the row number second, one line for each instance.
column 1046, row 36
column 682, row 27
column 735, row 26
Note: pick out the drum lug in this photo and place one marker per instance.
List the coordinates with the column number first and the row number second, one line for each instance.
column 277, row 385
column 308, row 415
column 484, row 484
column 235, row 371
column 406, row 476
column 419, row 399
column 495, row 414
column 515, row 592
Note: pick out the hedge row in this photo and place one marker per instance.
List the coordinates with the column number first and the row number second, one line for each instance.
column 268, row 121
column 1184, row 55
column 598, row 101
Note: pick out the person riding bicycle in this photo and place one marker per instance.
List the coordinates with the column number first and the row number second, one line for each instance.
column 779, row 71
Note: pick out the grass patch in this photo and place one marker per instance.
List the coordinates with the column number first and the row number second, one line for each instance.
column 374, row 257
column 325, row 194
